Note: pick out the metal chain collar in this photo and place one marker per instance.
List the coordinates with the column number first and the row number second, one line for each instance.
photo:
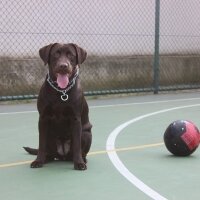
column 64, row 96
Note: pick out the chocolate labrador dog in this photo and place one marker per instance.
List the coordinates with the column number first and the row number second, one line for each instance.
column 64, row 127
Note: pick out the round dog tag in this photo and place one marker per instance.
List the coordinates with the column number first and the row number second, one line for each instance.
column 64, row 97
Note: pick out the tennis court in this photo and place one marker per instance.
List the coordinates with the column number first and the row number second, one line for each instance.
column 128, row 159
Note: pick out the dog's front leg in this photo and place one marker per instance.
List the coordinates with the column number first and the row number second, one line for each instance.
column 79, row 164
column 41, row 157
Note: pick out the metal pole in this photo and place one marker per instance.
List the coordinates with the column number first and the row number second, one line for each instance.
column 156, row 49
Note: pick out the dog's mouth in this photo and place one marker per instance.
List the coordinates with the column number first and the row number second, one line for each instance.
column 62, row 80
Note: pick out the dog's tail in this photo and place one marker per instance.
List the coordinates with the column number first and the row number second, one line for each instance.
column 31, row 150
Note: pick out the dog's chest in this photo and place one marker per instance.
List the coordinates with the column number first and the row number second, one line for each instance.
column 60, row 120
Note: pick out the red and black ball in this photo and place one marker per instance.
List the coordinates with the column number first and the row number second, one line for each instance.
column 182, row 138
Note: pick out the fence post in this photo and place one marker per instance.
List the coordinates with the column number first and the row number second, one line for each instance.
column 156, row 48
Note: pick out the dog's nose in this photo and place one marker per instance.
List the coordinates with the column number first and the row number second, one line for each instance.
column 64, row 66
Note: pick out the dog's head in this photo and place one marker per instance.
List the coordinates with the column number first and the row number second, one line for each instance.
column 62, row 60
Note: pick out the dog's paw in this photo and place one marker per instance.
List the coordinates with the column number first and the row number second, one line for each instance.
column 80, row 166
column 36, row 164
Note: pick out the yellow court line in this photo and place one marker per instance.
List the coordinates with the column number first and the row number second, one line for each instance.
column 14, row 164
column 91, row 153
column 126, row 148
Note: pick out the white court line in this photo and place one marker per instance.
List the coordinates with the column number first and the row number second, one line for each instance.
column 147, row 102
column 20, row 112
column 107, row 106
column 110, row 148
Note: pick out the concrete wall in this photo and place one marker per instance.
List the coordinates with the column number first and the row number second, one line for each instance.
column 103, row 73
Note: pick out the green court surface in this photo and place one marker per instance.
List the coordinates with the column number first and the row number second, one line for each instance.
column 128, row 159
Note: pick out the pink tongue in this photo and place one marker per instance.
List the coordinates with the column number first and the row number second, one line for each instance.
column 62, row 80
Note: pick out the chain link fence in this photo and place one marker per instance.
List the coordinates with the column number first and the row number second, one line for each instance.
column 119, row 36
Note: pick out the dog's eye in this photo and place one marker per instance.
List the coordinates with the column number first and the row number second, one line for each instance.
column 57, row 54
column 71, row 56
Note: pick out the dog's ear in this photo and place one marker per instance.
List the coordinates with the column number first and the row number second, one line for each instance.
column 44, row 52
column 81, row 53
